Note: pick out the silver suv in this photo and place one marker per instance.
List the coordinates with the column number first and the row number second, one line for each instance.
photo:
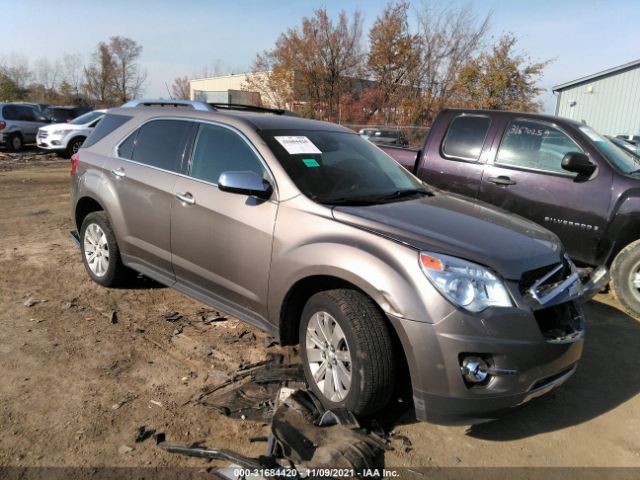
column 308, row 231
column 19, row 124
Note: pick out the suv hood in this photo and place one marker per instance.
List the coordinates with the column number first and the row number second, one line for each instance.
column 62, row 126
column 446, row 223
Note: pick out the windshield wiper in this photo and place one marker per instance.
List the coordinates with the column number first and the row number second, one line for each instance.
column 398, row 194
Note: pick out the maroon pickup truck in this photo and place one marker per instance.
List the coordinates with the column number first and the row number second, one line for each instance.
column 557, row 172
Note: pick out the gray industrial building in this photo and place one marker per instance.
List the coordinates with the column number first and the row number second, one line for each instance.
column 608, row 101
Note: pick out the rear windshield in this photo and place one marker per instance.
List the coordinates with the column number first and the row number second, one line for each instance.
column 338, row 167
column 86, row 118
column 107, row 125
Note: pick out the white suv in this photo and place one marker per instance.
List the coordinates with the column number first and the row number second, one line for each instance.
column 67, row 138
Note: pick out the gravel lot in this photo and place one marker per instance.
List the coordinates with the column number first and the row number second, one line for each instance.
column 66, row 366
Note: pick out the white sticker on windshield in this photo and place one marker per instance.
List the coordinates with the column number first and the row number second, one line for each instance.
column 297, row 145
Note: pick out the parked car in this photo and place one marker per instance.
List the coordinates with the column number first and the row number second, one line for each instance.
column 67, row 138
column 388, row 137
column 57, row 114
column 19, row 124
column 632, row 148
column 366, row 133
column 635, row 139
column 555, row 171
column 307, row 231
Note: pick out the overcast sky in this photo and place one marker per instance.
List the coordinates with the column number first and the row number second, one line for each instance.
column 179, row 37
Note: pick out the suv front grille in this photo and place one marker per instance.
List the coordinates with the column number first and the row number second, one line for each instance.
column 42, row 134
column 542, row 285
column 560, row 323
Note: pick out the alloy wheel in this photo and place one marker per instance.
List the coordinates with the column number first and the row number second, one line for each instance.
column 328, row 356
column 96, row 249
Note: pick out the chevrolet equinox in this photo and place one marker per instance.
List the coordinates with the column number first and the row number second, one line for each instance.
column 313, row 234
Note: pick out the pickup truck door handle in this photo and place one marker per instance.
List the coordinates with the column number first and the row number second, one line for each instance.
column 186, row 198
column 119, row 172
column 501, row 180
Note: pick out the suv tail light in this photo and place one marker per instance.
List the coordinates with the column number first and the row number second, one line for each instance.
column 74, row 163
column 3, row 125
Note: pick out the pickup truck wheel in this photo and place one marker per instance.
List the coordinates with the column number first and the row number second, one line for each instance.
column 625, row 277
column 100, row 252
column 347, row 351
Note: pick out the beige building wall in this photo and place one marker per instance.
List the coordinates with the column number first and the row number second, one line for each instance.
column 218, row 84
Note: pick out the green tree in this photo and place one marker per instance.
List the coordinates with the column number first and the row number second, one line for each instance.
column 501, row 79
column 9, row 90
column 393, row 59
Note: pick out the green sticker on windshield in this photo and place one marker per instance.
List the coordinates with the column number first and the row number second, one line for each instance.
column 310, row 162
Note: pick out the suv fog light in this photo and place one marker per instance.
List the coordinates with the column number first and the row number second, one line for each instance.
column 474, row 369
column 55, row 142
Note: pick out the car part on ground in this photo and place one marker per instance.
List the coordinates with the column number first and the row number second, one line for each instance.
column 311, row 233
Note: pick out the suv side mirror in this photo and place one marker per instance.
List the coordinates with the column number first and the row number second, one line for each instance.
column 245, row 183
column 579, row 163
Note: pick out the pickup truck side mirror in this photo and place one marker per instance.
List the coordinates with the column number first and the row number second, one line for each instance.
column 579, row 163
column 245, row 183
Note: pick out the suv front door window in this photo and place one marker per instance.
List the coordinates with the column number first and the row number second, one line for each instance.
column 220, row 241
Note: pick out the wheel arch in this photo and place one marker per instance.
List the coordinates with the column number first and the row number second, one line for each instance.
column 85, row 206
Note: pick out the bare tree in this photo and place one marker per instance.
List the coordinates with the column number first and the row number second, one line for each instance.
column 16, row 68
column 128, row 77
column 73, row 72
column 180, row 88
column 449, row 39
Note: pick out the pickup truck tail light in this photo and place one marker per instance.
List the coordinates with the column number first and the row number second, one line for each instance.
column 3, row 125
column 74, row 163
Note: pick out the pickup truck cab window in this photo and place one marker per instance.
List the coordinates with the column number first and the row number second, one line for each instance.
column 536, row 146
column 160, row 144
column 465, row 137
column 218, row 150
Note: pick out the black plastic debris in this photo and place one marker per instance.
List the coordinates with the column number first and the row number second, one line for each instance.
column 311, row 437
column 144, row 434
column 38, row 213
column 251, row 391
column 172, row 316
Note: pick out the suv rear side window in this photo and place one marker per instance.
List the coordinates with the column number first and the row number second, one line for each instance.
column 161, row 143
column 535, row 145
column 26, row 114
column 465, row 137
column 218, row 150
column 10, row 113
column 107, row 125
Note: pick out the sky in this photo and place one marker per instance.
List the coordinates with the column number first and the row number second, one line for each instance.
column 180, row 37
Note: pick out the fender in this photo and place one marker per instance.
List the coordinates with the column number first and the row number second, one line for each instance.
column 381, row 268
column 624, row 226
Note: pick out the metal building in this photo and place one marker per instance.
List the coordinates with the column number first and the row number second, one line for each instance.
column 608, row 101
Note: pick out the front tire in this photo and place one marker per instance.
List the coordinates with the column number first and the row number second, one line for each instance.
column 625, row 277
column 347, row 353
column 100, row 252
column 74, row 146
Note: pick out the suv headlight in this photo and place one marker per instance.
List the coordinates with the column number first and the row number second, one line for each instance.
column 463, row 283
column 61, row 132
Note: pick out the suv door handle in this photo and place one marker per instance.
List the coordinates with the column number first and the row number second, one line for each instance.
column 186, row 198
column 119, row 172
column 501, row 180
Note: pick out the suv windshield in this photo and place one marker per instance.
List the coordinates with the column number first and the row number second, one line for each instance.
column 340, row 167
column 623, row 161
column 86, row 118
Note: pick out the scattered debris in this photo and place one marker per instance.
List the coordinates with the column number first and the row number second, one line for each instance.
column 144, row 434
column 38, row 212
column 30, row 302
column 406, row 441
column 156, row 403
column 244, row 336
column 114, row 317
column 124, row 449
column 139, row 330
column 172, row 316
column 208, row 317
column 270, row 342
column 127, row 398
column 68, row 304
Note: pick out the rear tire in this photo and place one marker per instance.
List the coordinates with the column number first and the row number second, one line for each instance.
column 15, row 143
column 625, row 278
column 100, row 252
column 354, row 367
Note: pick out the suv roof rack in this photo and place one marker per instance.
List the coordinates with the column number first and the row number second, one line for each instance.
column 250, row 108
column 168, row 103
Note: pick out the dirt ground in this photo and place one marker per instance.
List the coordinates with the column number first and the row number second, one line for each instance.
column 75, row 387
